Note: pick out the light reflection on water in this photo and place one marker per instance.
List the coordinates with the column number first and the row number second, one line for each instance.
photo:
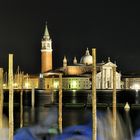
column 71, row 116
column 75, row 116
column 81, row 116
column 4, row 129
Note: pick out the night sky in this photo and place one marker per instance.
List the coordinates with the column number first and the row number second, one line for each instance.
column 74, row 25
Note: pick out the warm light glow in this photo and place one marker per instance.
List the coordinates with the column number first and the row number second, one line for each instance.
column 136, row 87
column 73, row 84
column 27, row 85
column 56, row 84
column 41, row 75
column 4, row 85
column 73, row 91
column 15, row 85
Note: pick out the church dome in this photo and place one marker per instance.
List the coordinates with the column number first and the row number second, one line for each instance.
column 86, row 59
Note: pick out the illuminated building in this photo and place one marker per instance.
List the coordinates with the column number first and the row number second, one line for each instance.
column 104, row 77
column 46, row 52
column 69, row 83
column 75, row 76
column 131, row 82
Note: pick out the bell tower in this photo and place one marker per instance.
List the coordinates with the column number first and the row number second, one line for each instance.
column 46, row 52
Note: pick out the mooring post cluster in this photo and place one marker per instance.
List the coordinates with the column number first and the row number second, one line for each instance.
column 60, row 127
column 94, row 102
column 11, row 98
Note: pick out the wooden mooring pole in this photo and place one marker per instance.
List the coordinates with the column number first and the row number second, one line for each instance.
column 52, row 90
column 11, row 97
column 33, row 97
column 21, row 99
column 114, row 103
column 60, row 104
column 1, row 98
column 33, row 103
column 94, row 117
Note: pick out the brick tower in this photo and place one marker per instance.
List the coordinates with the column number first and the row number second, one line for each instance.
column 46, row 52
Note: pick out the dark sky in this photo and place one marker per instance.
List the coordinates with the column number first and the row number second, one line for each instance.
column 74, row 25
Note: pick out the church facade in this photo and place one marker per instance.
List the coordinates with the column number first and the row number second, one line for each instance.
column 77, row 75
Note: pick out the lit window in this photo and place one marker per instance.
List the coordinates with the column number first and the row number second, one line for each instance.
column 15, row 85
column 136, row 87
column 27, row 85
column 73, row 84
column 56, row 84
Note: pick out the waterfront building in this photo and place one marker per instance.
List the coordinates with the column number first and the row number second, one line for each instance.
column 77, row 75
column 69, row 83
column 131, row 82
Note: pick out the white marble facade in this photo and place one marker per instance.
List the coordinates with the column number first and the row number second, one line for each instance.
column 104, row 78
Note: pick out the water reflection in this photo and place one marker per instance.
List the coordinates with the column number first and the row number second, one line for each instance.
column 137, row 97
column 128, row 125
column 73, row 116
column 80, row 115
column 38, row 118
column 4, row 129
column 105, row 127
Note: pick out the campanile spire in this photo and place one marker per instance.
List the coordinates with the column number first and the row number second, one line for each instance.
column 46, row 52
column 46, row 33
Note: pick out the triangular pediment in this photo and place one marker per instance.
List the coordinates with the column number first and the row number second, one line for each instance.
column 109, row 64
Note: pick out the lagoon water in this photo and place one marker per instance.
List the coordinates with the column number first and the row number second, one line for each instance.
column 77, row 115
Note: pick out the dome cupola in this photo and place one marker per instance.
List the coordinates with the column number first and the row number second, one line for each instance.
column 86, row 59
